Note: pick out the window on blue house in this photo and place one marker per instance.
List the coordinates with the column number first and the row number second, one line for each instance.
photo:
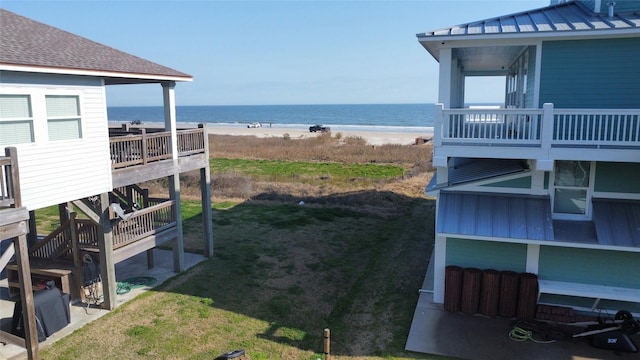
column 571, row 188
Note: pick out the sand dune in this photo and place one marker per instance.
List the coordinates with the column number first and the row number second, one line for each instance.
column 372, row 137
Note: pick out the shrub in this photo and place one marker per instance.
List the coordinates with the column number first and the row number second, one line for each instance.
column 231, row 185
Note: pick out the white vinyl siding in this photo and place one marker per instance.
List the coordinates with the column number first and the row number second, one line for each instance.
column 16, row 119
column 63, row 117
column 54, row 172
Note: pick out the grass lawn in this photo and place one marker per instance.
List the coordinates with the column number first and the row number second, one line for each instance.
column 351, row 259
column 280, row 275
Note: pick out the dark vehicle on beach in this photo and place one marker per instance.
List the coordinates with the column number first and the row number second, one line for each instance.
column 320, row 128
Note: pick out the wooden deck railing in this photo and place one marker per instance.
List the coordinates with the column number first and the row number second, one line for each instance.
column 547, row 127
column 9, row 179
column 191, row 141
column 134, row 194
column 143, row 148
column 142, row 223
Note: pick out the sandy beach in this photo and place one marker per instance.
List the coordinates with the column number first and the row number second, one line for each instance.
column 372, row 137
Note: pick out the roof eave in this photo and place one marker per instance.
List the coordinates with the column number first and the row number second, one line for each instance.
column 130, row 78
column 431, row 42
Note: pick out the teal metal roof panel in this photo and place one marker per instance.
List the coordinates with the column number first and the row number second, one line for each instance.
column 565, row 17
column 495, row 215
column 617, row 222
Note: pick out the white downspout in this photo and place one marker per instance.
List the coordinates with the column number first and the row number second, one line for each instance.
column 611, row 5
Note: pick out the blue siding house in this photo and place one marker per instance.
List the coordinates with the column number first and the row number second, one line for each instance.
column 549, row 182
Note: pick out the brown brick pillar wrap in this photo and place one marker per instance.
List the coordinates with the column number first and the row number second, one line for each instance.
column 508, row 294
column 490, row 292
column 452, row 288
column 471, row 282
column 527, row 296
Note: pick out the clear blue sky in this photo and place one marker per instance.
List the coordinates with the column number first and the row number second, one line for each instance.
column 276, row 52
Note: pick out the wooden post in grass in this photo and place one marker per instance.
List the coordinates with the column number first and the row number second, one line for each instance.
column 327, row 344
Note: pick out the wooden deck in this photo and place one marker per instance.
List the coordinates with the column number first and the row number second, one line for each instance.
column 131, row 147
column 139, row 154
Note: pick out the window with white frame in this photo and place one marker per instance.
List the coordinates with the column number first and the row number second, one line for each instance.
column 63, row 117
column 571, row 188
column 16, row 119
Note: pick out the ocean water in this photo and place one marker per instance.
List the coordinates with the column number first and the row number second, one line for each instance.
column 374, row 117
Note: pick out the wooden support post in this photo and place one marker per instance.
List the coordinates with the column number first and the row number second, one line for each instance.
column 144, row 146
column 26, row 294
column 205, row 195
column 150, row 263
column 107, row 265
column 130, row 198
column 327, row 344
column 169, row 100
column 178, row 245
column 77, row 257
column 207, row 215
column 32, row 236
column 63, row 212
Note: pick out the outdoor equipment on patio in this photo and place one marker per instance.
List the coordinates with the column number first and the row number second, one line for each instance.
column 606, row 333
column 91, row 281
column 51, row 310
column 612, row 334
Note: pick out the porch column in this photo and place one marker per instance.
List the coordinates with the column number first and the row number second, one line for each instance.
column 205, row 195
column 533, row 258
column 169, row 97
column 444, row 80
column 107, row 265
column 440, row 127
column 439, row 265
column 168, row 90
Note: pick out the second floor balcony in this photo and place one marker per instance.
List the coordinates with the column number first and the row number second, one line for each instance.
column 540, row 134
column 133, row 149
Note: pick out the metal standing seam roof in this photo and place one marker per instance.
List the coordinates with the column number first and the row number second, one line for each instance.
column 565, row 17
column 617, row 222
column 495, row 215
column 28, row 43
column 507, row 216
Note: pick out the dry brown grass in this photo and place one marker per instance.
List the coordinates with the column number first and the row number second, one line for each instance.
column 416, row 159
column 320, row 148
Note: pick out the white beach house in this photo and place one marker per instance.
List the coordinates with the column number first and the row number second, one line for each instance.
column 61, row 153
column 548, row 184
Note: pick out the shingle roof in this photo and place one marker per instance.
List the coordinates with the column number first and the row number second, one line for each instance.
column 28, row 43
column 561, row 18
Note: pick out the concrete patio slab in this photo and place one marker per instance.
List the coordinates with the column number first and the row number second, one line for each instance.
column 436, row 331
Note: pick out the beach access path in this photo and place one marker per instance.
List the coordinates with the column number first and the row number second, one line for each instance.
column 372, row 137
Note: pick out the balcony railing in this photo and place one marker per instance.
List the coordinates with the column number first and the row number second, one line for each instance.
column 142, row 223
column 545, row 128
column 141, row 149
column 9, row 179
